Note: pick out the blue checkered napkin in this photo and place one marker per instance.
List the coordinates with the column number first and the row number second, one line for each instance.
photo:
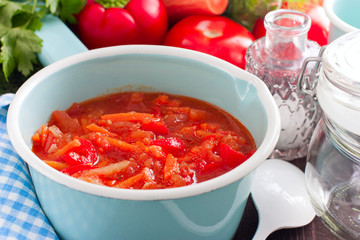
column 21, row 216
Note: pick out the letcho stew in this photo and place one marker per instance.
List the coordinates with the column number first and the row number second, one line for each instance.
column 142, row 140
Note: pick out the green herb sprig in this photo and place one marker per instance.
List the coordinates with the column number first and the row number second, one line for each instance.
column 19, row 20
column 246, row 12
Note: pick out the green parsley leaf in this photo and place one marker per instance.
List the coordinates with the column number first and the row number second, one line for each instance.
column 3, row 30
column 7, row 11
column 6, row 55
column 65, row 9
column 19, row 43
column 19, row 48
column 19, row 19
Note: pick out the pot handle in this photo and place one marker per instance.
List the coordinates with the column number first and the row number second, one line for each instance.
column 58, row 41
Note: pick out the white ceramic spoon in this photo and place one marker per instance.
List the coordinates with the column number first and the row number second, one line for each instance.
column 280, row 197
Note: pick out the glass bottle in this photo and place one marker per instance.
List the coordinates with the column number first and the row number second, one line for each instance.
column 277, row 59
column 332, row 172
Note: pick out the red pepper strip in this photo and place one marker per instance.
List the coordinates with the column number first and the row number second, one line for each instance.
column 209, row 167
column 77, row 168
column 170, row 144
column 231, row 157
column 156, row 125
column 83, row 154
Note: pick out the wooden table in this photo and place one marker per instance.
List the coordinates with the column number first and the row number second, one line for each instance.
column 316, row 230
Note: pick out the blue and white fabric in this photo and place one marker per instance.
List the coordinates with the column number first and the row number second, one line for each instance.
column 21, row 216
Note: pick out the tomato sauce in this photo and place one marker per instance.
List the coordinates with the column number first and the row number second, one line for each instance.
column 140, row 140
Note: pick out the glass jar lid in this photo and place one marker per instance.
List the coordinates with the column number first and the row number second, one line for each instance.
column 341, row 62
column 338, row 89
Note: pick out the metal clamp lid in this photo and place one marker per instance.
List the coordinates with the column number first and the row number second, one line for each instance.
column 305, row 84
column 336, row 83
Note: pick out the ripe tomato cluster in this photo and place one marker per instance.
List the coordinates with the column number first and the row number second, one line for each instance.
column 201, row 25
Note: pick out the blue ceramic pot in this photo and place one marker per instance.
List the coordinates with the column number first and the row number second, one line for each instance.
column 344, row 17
column 81, row 210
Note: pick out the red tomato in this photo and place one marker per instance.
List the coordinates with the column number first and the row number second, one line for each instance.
column 259, row 28
column 140, row 21
column 216, row 35
column 320, row 23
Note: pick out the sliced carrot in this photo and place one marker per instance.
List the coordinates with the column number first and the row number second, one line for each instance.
column 41, row 135
column 130, row 182
column 121, row 144
column 36, row 137
column 128, row 117
column 95, row 128
column 44, row 134
column 171, row 167
column 57, row 165
column 157, row 151
column 67, row 148
column 148, row 175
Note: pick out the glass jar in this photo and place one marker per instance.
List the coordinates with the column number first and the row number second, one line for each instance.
column 277, row 59
column 332, row 172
